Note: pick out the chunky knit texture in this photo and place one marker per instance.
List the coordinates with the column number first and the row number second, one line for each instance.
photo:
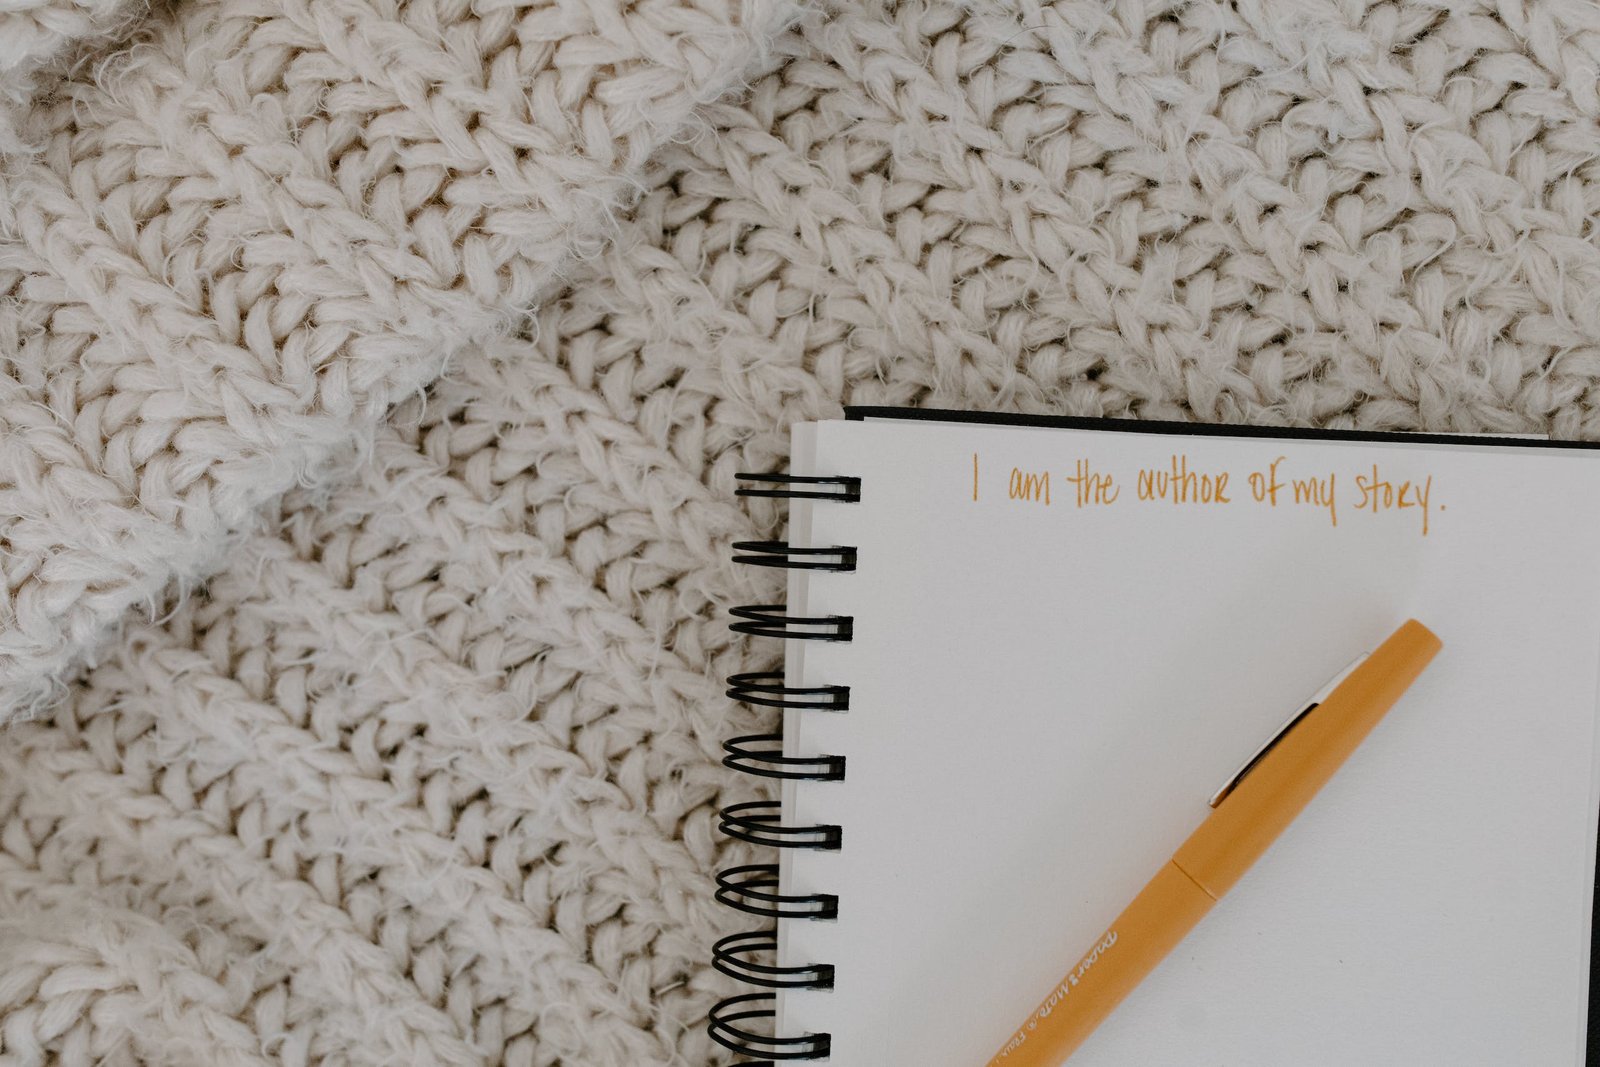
column 36, row 35
column 237, row 246
column 427, row 773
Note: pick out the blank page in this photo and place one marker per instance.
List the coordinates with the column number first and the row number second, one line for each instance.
column 1048, row 684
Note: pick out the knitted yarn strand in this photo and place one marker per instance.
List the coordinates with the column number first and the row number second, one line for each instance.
column 263, row 226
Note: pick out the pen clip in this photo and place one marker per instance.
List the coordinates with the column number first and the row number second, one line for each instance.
column 1245, row 768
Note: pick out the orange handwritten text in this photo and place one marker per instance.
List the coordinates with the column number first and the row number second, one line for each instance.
column 1318, row 491
column 1380, row 494
column 1026, row 485
column 1180, row 485
column 1278, row 487
column 1264, row 485
column 1091, row 487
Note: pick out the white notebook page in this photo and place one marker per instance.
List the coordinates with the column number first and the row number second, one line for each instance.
column 1044, row 695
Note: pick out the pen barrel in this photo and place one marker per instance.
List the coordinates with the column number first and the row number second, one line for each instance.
column 1298, row 765
column 1269, row 797
column 1163, row 913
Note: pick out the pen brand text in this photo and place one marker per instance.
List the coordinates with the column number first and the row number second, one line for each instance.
column 1059, row 994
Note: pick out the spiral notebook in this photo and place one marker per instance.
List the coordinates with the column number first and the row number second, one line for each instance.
column 1021, row 654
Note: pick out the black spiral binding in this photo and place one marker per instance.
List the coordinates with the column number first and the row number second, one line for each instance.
column 753, row 888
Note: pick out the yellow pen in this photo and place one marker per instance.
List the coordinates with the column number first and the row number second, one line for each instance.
column 1248, row 814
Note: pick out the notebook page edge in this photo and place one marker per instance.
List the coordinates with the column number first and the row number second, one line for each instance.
column 1586, row 975
column 1167, row 427
column 802, row 463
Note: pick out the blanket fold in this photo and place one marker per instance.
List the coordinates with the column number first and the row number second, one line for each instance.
column 239, row 243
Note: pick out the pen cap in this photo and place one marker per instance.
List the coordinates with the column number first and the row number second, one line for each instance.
column 1277, row 788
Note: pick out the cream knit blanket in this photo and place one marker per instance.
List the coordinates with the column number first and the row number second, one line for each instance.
column 375, row 372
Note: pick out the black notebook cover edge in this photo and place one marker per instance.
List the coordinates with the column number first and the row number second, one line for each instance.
column 1199, row 429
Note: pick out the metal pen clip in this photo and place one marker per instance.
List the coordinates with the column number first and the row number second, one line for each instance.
column 1322, row 694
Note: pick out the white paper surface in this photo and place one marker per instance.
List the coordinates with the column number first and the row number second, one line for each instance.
column 1043, row 697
